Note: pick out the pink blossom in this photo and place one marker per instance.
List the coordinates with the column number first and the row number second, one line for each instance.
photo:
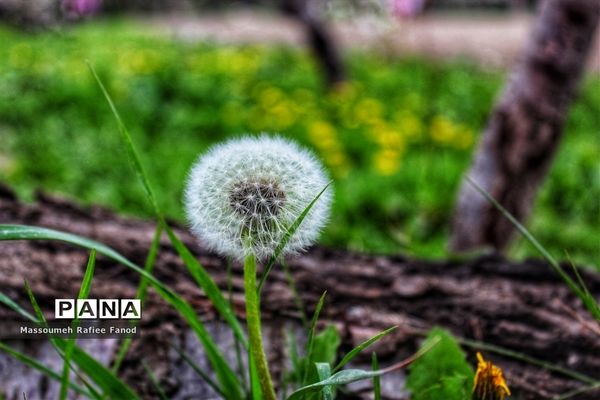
column 407, row 8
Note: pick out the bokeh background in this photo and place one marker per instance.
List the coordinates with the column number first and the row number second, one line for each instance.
column 396, row 136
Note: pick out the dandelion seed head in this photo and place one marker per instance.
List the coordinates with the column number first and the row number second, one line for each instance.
column 253, row 189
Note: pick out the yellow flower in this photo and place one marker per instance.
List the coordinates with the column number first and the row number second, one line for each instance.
column 387, row 162
column 443, row 130
column 368, row 110
column 489, row 382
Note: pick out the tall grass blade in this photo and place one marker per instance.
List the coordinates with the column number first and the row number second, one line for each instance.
column 583, row 286
column 354, row 352
column 587, row 299
column 376, row 379
column 238, row 350
column 155, row 382
column 84, row 292
column 311, row 337
column 227, row 378
column 32, row 363
column 286, row 238
column 4, row 299
column 196, row 368
column 108, row 382
column 292, row 284
column 133, row 156
column 577, row 392
column 140, row 294
column 204, row 280
column 198, row 272
column 527, row 359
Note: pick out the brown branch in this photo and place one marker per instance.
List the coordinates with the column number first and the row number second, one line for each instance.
column 517, row 306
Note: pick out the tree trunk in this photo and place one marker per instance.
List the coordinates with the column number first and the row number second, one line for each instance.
column 526, row 125
column 319, row 39
column 523, row 307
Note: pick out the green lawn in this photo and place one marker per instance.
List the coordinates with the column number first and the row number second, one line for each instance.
column 396, row 139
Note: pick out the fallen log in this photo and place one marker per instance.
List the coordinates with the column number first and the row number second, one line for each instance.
column 522, row 306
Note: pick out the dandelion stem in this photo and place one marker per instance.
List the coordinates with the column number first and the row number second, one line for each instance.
column 254, row 331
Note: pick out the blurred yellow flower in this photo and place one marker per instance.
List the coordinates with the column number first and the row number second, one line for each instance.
column 323, row 135
column 387, row 161
column 408, row 124
column 320, row 130
column 270, row 96
column 489, row 382
column 442, row 130
column 282, row 115
column 368, row 110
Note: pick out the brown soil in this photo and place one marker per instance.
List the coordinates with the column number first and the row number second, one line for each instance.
column 521, row 306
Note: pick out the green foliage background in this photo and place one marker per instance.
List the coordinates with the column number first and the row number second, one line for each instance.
column 396, row 139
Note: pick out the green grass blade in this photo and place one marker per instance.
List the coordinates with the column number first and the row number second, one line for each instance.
column 311, row 336
column 592, row 301
column 198, row 272
column 107, row 381
column 588, row 300
column 238, row 350
column 204, row 280
column 140, row 294
column 577, row 392
column 226, row 376
column 84, row 292
column 199, row 371
column 15, row 307
column 132, row 153
column 155, row 382
column 292, row 284
column 324, row 373
column 354, row 352
column 32, row 363
column 527, row 359
column 286, row 238
column 28, row 316
column 376, row 379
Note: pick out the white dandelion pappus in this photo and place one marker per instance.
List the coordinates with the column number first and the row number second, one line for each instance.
column 255, row 188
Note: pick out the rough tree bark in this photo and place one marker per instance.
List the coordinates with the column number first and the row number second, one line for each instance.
column 319, row 39
column 526, row 125
column 523, row 307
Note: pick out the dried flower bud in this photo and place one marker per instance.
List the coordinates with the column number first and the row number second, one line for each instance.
column 489, row 381
column 252, row 189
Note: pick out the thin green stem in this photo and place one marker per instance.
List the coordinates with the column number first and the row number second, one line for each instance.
column 576, row 392
column 254, row 331
column 292, row 284
column 525, row 358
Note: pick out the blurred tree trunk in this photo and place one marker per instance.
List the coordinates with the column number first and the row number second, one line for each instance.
column 525, row 127
column 319, row 38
